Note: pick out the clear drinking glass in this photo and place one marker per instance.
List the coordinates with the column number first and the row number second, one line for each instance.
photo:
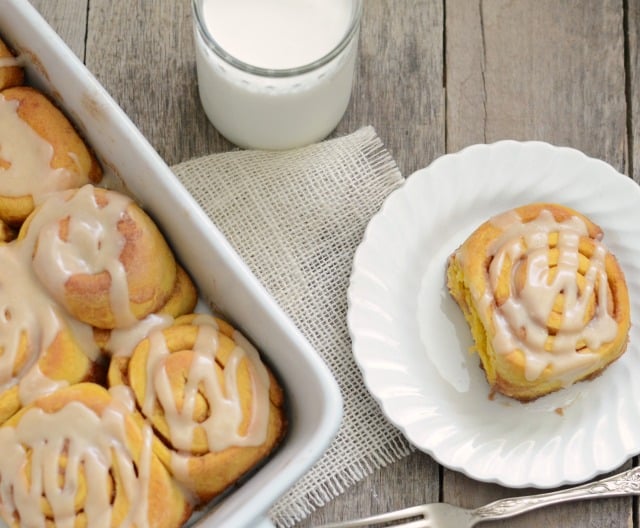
column 256, row 107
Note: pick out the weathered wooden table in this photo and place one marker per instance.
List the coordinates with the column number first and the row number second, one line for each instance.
column 433, row 77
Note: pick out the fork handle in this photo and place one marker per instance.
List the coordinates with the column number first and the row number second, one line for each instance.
column 625, row 483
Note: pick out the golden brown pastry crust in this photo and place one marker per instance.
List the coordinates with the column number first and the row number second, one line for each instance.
column 63, row 360
column 159, row 292
column 183, row 298
column 69, row 150
column 502, row 300
column 203, row 471
column 154, row 498
column 9, row 75
column 150, row 267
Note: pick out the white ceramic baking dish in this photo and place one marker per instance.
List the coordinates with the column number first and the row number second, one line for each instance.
column 315, row 405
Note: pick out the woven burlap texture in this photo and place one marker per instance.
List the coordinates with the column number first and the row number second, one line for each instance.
column 305, row 211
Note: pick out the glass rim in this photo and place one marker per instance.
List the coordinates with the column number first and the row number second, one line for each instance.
column 203, row 31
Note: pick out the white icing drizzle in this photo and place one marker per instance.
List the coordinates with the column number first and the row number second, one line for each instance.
column 90, row 445
column 521, row 321
column 28, row 157
column 24, row 313
column 27, row 312
column 35, row 384
column 29, row 309
column 122, row 341
column 222, row 424
column 180, row 465
column 93, row 245
column 124, row 396
column 11, row 62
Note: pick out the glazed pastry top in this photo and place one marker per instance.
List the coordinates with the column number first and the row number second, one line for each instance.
column 548, row 279
column 46, row 254
column 91, row 445
column 218, row 391
column 77, row 457
column 29, row 314
column 25, row 158
column 203, row 380
column 72, row 233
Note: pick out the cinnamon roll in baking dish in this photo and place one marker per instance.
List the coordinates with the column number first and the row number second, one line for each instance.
column 41, row 153
column 546, row 301
column 76, row 458
column 215, row 408
column 90, row 286
column 11, row 71
column 101, row 256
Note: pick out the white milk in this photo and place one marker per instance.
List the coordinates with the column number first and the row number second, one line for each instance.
column 275, row 74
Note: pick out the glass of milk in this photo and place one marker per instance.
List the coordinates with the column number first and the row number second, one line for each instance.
column 275, row 74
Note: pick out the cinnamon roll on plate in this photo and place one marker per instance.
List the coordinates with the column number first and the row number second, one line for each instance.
column 546, row 301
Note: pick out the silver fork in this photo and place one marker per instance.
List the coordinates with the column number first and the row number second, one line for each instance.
column 441, row 515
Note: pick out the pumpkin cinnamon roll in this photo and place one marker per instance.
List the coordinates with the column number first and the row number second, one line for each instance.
column 41, row 349
column 215, row 408
column 546, row 301
column 76, row 458
column 183, row 298
column 11, row 71
column 101, row 257
column 7, row 233
column 40, row 152
column 182, row 301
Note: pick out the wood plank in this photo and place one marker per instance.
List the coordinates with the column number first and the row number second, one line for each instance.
column 632, row 20
column 146, row 62
column 412, row 480
column 68, row 18
column 398, row 89
column 633, row 84
column 399, row 82
column 554, row 73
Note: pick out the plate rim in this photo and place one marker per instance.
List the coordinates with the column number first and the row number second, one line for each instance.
column 381, row 216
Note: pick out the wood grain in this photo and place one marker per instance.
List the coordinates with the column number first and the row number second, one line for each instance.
column 554, row 73
column 433, row 76
column 146, row 61
column 398, row 87
column 68, row 19
column 633, row 84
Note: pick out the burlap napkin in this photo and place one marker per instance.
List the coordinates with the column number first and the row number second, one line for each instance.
column 305, row 211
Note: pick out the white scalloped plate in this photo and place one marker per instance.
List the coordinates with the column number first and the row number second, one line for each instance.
column 411, row 342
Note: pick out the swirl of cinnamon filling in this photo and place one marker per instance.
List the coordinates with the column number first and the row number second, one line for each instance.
column 215, row 408
column 546, row 300
column 75, row 458
column 40, row 153
column 100, row 256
